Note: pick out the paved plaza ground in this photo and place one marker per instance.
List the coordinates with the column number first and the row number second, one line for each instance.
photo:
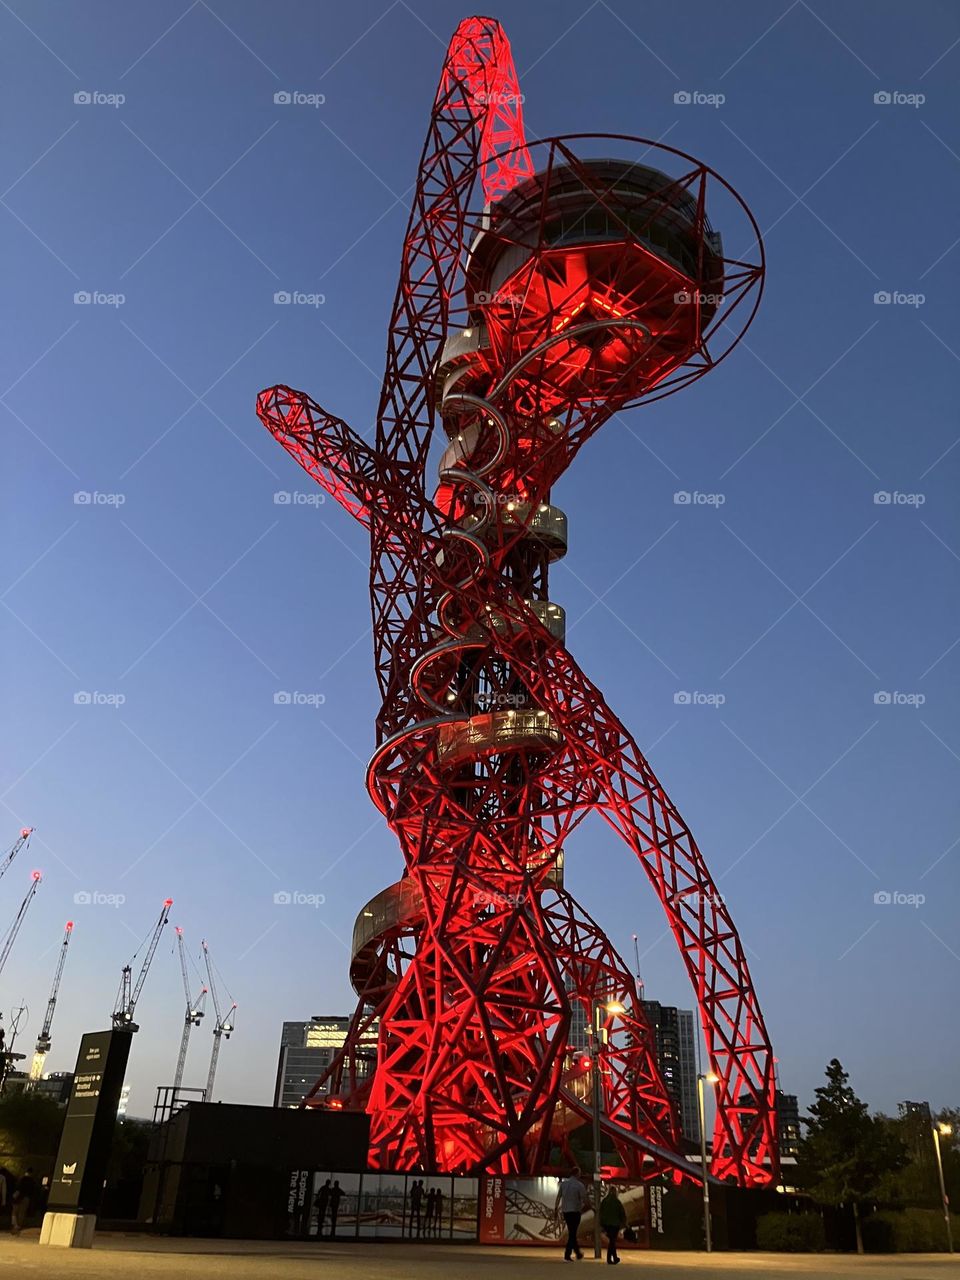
column 143, row 1257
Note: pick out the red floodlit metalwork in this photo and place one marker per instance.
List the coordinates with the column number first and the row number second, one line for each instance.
column 578, row 286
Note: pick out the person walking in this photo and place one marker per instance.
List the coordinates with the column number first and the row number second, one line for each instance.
column 336, row 1195
column 613, row 1219
column 571, row 1202
column 416, row 1200
column 431, row 1204
column 321, row 1200
column 24, row 1195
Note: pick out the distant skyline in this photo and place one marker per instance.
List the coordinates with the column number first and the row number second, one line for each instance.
column 785, row 646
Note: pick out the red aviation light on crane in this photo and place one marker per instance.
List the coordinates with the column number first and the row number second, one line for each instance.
column 26, row 831
column 168, row 902
column 69, row 926
column 36, row 875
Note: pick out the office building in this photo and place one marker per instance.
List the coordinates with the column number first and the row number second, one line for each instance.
column 306, row 1050
column 788, row 1124
column 677, row 1057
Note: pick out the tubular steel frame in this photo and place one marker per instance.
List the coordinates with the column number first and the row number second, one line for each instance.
column 468, row 971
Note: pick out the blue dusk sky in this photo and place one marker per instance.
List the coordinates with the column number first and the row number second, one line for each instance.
column 815, row 627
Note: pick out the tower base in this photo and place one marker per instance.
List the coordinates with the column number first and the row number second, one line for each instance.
column 68, row 1230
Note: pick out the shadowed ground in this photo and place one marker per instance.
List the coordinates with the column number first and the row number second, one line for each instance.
column 142, row 1257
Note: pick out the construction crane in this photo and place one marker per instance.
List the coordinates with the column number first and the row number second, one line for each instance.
column 22, row 838
column 35, row 878
column 127, row 998
column 43, row 1039
column 222, row 1027
column 194, row 1012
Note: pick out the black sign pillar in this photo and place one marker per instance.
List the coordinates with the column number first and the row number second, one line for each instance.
column 81, row 1166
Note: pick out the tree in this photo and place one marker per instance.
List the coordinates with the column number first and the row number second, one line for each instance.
column 846, row 1153
column 916, row 1185
column 30, row 1127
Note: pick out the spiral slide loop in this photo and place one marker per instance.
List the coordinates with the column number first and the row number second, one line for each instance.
column 485, row 413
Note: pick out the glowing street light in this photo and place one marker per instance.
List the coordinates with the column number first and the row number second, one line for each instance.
column 941, row 1130
column 614, row 1007
column 711, row 1079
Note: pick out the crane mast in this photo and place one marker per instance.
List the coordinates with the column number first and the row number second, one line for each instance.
column 24, row 836
column 129, row 993
column 43, row 1039
column 192, row 1016
column 14, row 929
column 222, row 1027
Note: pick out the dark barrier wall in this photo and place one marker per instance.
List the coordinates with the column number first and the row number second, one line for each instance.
column 224, row 1170
column 281, row 1137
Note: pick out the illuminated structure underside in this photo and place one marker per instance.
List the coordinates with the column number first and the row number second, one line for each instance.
column 579, row 286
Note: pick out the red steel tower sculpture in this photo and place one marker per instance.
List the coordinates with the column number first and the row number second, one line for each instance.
column 543, row 288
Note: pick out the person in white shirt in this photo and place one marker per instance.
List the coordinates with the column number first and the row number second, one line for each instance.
column 571, row 1201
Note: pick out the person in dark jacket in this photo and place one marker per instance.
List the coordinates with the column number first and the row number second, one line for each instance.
column 613, row 1219
column 23, row 1197
column 336, row 1195
column 321, row 1200
column 416, row 1201
column 430, row 1205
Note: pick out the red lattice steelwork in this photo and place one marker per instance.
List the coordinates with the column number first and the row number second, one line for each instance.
column 578, row 286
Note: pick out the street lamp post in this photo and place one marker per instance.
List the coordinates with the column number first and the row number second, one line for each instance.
column 596, row 1028
column 943, row 1130
column 701, row 1079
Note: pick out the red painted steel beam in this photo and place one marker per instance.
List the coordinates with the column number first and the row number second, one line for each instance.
column 575, row 288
